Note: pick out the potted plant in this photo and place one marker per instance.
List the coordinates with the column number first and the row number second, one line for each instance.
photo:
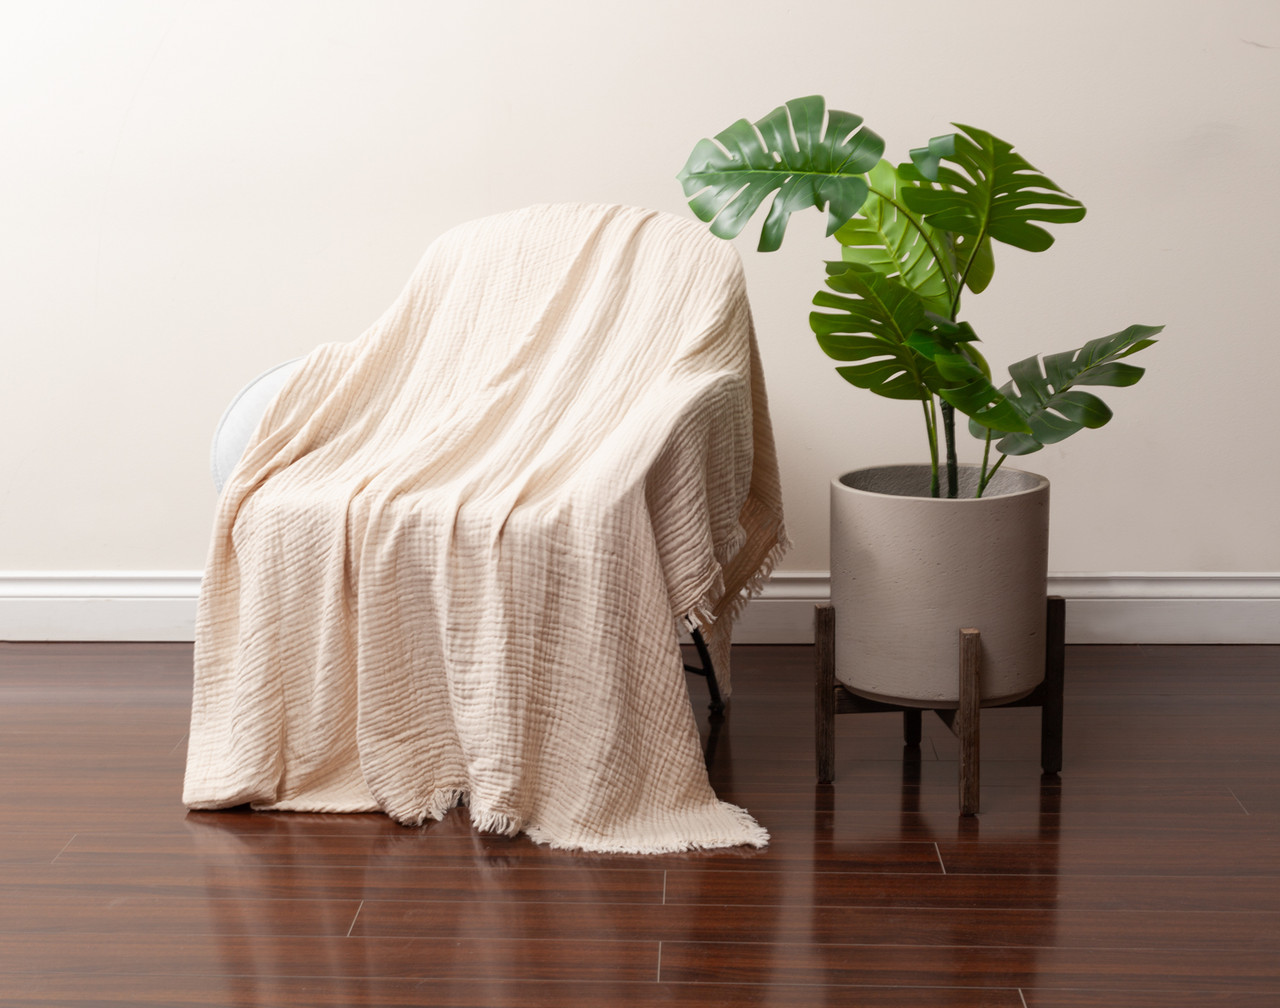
column 914, row 238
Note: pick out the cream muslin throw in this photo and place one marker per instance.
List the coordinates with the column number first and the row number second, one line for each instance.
column 452, row 565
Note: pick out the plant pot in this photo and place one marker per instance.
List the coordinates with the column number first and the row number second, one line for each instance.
column 909, row 571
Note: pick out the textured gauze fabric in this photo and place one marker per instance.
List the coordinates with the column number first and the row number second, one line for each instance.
column 454, row 562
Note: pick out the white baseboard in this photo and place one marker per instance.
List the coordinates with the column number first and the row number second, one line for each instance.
column 1163, row 608
column 1156, row 608
column 99, row 606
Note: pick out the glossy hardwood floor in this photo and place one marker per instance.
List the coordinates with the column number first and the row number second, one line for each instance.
column 1147, row 876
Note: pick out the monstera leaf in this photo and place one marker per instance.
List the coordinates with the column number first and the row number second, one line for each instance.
column 906, row 351
column 965, row 377
column 1048, row 400
column 993, row 194
column 810, row 156
column 873, row 320
column 888, row 238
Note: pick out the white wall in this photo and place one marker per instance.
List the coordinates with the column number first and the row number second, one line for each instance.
column 195, row 190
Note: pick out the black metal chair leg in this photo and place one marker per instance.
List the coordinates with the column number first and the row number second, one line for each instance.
column 716, row 706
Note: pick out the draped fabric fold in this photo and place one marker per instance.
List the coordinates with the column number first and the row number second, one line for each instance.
column 453, row 563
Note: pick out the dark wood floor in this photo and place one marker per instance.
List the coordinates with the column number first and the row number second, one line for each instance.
column 1148, row 876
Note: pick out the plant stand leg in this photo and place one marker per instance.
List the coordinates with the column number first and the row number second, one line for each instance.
column 967, row 720
column 912, row 728
column 824, row 638
column 1054, row 676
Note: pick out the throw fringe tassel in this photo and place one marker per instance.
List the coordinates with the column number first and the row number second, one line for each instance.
column 499, row 823
column 436, row 807
column 733, row 609
column 711, row 609
column 741, row 830
column 738, row 828
column 445, row 800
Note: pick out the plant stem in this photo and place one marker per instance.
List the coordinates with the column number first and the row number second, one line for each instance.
column 931, row 427
column 976, row 243
column 986, row 476
column 986, row 460
column 953, row 465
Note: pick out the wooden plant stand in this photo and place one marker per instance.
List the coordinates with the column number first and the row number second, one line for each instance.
column 833, row 698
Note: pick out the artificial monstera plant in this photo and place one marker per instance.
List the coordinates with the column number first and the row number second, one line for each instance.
column 914, row 238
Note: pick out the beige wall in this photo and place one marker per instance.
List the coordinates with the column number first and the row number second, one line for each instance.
column 195, row 190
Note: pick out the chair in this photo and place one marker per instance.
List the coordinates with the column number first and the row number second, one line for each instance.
column 241, row 418
column 451, row 558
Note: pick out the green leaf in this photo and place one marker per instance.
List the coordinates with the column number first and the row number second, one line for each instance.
column 927, row 159
column 964, row 377
column 975, row 261
column 1010, row 444
column 1083, row 408
column 872, row 320
column 993, row 194
column 1047, row 397
column 976, row 397
column 942, row 333
column 888, row 238
column 806, row 154
column 1094, row 363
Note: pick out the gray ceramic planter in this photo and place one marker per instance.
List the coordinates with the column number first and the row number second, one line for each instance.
column 908, row 571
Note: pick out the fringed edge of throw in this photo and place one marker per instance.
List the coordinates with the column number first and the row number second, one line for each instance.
column 495, row 823
column 731, row 608
column 435, row 808
column 742, row 831
column 719, row 826
column 444, row 800
column 715, row 605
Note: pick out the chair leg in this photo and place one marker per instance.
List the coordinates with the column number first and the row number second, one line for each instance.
column 824, row 628
column 707, row 670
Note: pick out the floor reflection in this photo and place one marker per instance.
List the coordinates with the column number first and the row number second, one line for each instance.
column 251, row 864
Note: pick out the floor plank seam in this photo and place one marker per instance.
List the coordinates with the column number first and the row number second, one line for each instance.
column 64, row 848
column 355, row 917
column 1231, row 791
